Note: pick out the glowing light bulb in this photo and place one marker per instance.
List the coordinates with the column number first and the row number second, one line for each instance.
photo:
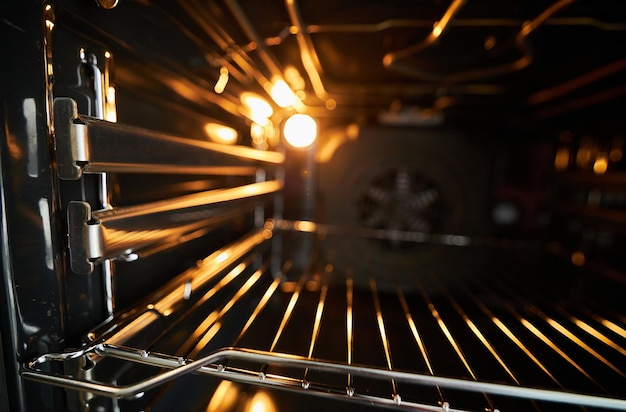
column 300, row 130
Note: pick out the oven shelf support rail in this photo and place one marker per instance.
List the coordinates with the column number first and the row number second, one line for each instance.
column 88, row 145
column 121, row 233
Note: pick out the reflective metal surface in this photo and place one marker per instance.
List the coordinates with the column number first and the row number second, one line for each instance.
column 124, row 232
column 91, row 145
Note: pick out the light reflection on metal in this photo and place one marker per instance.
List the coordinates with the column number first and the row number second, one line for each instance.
column 44, row 212
column 110, row 105
column 168, row 302
column 444, row 328
column 383, row 337
column 309, row 58
column 577, row 82
column 617, row 147
column 300, row 130
column 222, row 81
column 333, row 140
column 446, row 332
column 481, row 337
column 107, row 4
column 112, row 233
column 316, row 324
column 205, row 329
column 509, row 334
column 418, row 338
column 586, row 152
column 578, row 258
column 561, row 159
column 85, row 144
column 305, row 226
column 612, row 326
column 266, row 297
column 260, row 402
column 224, row 398
column 438, row 28
column 560, row 327
column 293, row 78
column 30, row 116
column 393, row 60
column 282, row 93
column 220, row 133
column 574, row 104
column 565, row 332
column 532, row 328
column 263, row 135
column 601, row 164
column 257, row 108
column 176, row 367
column 349, row 329
column 288, row 311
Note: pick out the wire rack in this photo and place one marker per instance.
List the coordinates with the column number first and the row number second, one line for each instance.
column 513, row 335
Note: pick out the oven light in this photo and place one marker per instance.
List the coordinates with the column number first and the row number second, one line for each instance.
column 300, row 130
column 259, row 110
column 220, row 133
column 282, row 94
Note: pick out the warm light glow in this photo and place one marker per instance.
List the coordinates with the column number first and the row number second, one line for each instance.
column 261, row 402
column 110, row 107
column 259, row 110
column 578, row 258
column 615, row 155
column 300, row 130
column 220, row 133
column 601, row 164
column 224, row 398
column 561, row 160
column 282, row 94
column 262, row 134
column 305, row 226
column 222, row 257
column 292, row 76
column 586, row 153
column 437, row 30
column 222, row 81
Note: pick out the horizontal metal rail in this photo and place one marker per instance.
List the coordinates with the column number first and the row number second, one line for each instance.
column 179, row 367
column 445, row 239
column 125, row 231
column 85, row 144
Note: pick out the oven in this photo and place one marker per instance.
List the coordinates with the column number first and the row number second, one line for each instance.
column 230, row 205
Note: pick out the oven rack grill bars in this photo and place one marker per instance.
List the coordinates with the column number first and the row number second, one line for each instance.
column 483, row 343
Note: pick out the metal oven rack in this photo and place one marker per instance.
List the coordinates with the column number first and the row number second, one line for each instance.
column 505, row 337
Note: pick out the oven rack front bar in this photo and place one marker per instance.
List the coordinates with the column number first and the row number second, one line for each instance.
column 213, row 364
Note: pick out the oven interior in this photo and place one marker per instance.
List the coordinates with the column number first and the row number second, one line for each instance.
column 452, row 240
